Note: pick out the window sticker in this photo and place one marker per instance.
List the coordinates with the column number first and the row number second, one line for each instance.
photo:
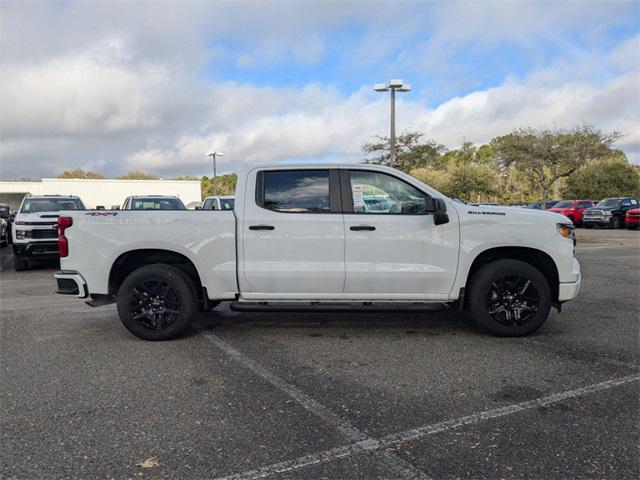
column 358, row 198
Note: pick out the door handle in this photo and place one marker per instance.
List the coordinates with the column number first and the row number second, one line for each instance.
column 359, row 228
column 261, row 227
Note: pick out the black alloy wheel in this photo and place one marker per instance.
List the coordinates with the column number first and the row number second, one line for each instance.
column 512, row 300
column 509, row 298
column 157, row 302
column 154, row 304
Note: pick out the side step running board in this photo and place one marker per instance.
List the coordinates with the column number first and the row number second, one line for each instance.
column 388, row 307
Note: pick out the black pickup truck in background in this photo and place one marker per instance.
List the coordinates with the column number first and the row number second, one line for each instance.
column 6, row 222
column 609, row 212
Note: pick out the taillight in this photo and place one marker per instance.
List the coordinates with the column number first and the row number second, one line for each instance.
column 63, row 243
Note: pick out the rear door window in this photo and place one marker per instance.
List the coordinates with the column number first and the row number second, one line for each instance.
column 295, row 191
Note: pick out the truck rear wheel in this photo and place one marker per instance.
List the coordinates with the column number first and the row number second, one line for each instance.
column 509, row 298
column 157, row 302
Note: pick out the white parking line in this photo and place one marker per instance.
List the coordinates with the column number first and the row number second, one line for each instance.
column 400, row 467
column 372, row 445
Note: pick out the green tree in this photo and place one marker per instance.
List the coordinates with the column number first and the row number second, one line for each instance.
column 550, row 155
column 79, row 173
column 411, row 151
column 137, row 175
column 612, row 177
column 224, row 185
column 467, row 154
column 468, row 182
column 186, row 177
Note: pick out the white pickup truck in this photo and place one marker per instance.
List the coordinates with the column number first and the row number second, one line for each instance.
column 325, row 238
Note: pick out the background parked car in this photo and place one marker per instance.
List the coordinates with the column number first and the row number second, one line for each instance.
column 609, row 212
column 4, row 233
column 5, row 215
column 153, row 202
column 632, row 218
column 572, row 209
column 540, row 206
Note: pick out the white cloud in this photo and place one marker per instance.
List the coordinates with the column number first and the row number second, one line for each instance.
column 337, row 127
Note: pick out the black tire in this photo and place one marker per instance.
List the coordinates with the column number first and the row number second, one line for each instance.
column 20, row 263
column 497, row 300
column 157, row 302
column 616, row 222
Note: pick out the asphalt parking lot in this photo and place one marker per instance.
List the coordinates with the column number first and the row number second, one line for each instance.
column 324, row 396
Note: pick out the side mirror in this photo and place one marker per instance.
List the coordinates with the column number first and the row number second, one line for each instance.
column 438, row 208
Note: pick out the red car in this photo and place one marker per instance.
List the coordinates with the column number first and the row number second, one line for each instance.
column 573, row 209
column 632, row 218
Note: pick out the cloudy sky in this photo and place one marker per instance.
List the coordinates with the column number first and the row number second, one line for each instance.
column 115, row 86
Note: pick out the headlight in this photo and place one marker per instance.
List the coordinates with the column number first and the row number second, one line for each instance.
column 21, row 234
column 606, row 213
column 565, row 229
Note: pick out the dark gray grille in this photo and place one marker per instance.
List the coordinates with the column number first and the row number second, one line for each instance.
column 42, row 233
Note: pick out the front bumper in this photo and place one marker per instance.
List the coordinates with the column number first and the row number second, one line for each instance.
column 569, row 290
column 47, row 249
column 71, row 282
column 601, row 221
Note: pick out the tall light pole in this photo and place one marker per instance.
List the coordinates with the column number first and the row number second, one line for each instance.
column 214, row 155
column 395, row 85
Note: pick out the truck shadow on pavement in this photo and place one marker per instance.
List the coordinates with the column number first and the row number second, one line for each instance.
column 445, row 322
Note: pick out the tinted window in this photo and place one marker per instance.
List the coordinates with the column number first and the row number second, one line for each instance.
column 297, row 191
column 36, row 205
column 564, row 204
column 157, row 204
column 227, row 203
column 379, row 193
column 626, row 202
column 208, row 204
column 585, row 204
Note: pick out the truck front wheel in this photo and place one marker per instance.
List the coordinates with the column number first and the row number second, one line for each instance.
column 509, row 298
column 157, row 302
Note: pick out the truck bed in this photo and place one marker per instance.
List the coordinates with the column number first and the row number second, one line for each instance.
column 204, row 237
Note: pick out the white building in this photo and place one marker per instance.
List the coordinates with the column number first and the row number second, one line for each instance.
column 99, row 192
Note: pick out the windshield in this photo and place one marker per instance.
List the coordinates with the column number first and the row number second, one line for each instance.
column 157, row 204
column 608, row 202
column 565, row 204
column 37, row 205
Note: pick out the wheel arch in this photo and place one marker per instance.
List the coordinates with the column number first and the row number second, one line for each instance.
column 132, row 260
column 534, row 257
